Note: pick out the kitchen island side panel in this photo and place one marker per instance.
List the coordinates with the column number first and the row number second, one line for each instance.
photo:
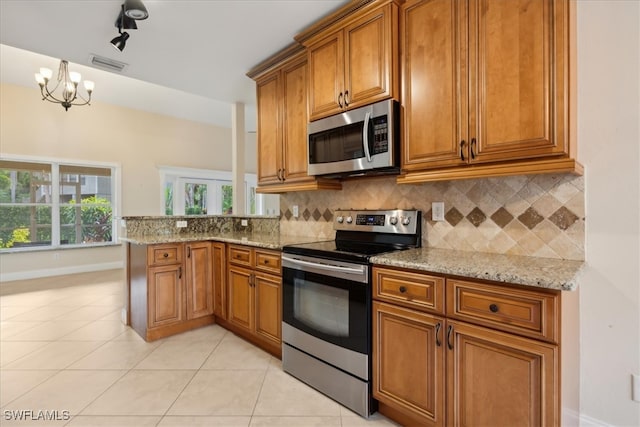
column 138, row 288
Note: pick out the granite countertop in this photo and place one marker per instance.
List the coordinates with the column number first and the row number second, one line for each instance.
column 267, row 241
column 521, row 270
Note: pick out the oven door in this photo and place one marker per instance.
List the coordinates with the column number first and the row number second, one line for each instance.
column 327, row 300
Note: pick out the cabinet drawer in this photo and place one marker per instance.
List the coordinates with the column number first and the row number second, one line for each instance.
column 240, row 255
column 164, row 254
column 268, row 261
column 411, row 289
column 525, row 312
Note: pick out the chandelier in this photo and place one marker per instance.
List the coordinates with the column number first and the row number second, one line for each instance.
column 68, row 82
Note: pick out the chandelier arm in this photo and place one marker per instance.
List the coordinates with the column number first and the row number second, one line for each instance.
column 86, row 101
column 49, row 95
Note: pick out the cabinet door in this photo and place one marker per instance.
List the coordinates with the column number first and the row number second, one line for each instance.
column 326, row 76
column 269, row 136
column 268, row 300
column 434, row 79
column 371, row 57
column 408, row 362
column 294, row 120
column 518, row 75
column 219, row 273
column 199, row 286
column 241, row 308
column 499, row 379
column 166, row 302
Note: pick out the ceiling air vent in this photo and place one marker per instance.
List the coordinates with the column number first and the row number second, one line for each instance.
column 107, row 63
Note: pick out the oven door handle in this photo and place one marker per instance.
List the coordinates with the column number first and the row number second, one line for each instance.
column 336, row 268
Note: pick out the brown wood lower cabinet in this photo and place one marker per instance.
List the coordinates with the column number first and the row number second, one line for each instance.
column 431, row 369
column 254, row 286
column 170, row 288
column 409, row 359
column 498, row 379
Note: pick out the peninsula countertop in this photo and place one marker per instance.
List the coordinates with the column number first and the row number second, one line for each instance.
column 267, row 241
column 521, row 270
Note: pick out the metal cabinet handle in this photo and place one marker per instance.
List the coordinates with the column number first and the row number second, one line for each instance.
column 166, row 255
column 346, row 98
column 283, row 175
column 180, row 272
column 438, row 342
column 473, row 144
column 340, row 100
column 449, row 343
column 188, row 251
column 494, row 308
column 402, row 289
column 461, row 150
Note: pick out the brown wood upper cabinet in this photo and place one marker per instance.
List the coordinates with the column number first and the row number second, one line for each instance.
column 282, row 122
column 484, row 81
column 355, row 61
column 281, row 89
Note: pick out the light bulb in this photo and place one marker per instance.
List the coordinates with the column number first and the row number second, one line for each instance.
column 39, row 79
column 75, row 77
column 89, row 85
column 46, row 73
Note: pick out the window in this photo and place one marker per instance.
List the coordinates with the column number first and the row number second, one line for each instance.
column 206, row 192
column 55, row 204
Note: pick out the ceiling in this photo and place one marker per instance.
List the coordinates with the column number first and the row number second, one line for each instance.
column 188, row 59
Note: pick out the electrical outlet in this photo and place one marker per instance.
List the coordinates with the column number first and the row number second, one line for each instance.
column 635, row 387
column 181, row 224
column 296, row 213
column 437, row 211
column 244, row 222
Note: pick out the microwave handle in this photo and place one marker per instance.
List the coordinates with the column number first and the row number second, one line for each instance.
column 365, row 135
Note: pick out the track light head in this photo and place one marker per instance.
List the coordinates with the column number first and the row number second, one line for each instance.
column 120, row 41
column 135, row 9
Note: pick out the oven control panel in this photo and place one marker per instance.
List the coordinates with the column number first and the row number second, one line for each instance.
column 396, row 221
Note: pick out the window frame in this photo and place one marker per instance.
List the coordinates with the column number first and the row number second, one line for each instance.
column 177, row 176
column 56, row 203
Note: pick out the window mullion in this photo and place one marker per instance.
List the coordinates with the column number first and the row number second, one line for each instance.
column 55, row 204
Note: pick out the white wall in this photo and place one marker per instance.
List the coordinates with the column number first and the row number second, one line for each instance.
column 137, row 140
column 609, row 147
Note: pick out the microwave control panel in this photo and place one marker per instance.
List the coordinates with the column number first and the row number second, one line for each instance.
column 380, row 135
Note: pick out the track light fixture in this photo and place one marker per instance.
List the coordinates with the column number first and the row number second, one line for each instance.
column 130, row 11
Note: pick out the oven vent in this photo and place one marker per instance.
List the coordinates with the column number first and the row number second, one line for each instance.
column 107, row 63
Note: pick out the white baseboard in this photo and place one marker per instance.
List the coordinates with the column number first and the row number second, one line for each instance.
column 587, row 421
column 35, row 274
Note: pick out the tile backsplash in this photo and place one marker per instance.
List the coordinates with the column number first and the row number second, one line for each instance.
column 534, row 215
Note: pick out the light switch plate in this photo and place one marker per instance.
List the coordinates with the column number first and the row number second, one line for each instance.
column 244, row 222
column 296, row 213
column 437, row 211
column 181, row 224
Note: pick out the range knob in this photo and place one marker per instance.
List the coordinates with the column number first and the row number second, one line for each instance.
column 349, row 220
column 340, row 219
column 406, row 220
column 393, row 220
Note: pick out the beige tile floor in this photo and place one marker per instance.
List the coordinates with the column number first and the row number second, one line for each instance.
column 64, row 348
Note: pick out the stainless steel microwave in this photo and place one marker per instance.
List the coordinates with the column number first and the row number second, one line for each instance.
column 358, row 142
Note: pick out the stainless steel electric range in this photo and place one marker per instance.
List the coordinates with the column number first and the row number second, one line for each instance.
column 327, row 292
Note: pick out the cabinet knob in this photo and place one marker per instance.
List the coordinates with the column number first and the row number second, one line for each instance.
column 403, row 289
column 166, row 255
column 266, row 261
column 494, row 308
